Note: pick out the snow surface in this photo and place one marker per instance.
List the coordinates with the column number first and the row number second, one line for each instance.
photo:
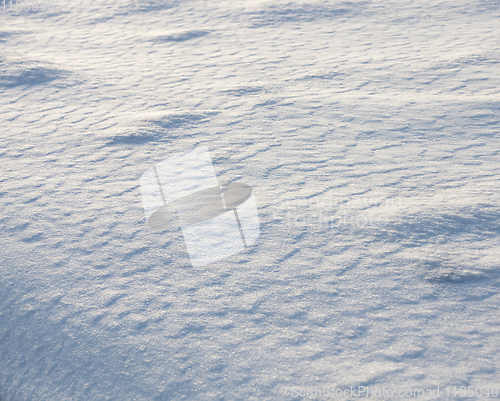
column 369, row 131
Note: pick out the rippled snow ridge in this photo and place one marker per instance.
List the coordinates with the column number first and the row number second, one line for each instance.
column 369, row 132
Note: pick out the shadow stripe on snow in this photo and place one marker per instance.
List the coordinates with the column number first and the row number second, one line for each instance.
column 281, row 14
column 161, row 128
column 28, row 73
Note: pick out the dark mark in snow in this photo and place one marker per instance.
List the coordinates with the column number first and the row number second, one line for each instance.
column 243, row 91
column 180, row 37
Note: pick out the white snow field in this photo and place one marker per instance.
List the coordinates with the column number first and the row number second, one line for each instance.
column 370, row 134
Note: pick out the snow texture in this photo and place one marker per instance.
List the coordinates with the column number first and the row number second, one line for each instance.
column 369, row 132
